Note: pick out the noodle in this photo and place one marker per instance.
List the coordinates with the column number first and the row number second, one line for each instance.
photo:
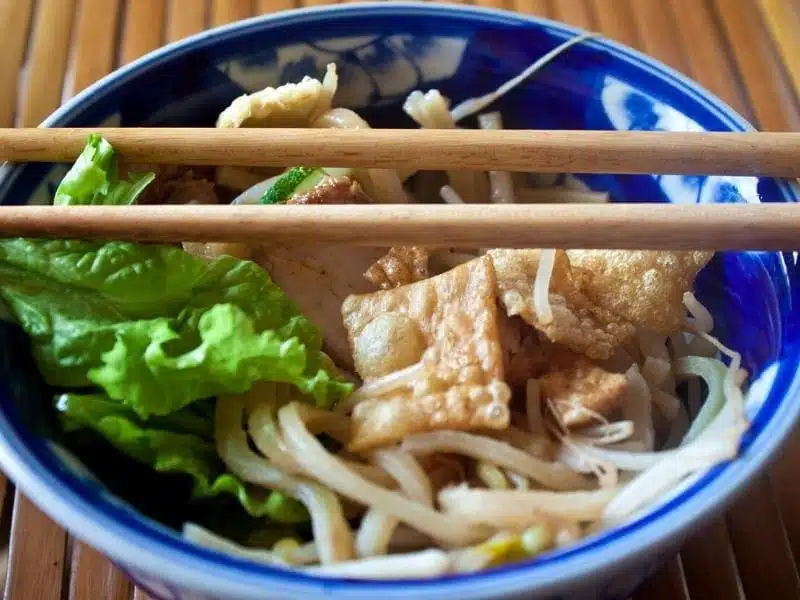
column 603, row 435
column 428, row 563
column 517, row 509
column 329, row 470
column 538, row 445
column 374, row 534
column 405, row 469
column 450, row 196
column 491, row 476
column 295, row 554
column 519, row 482
column 383, row 385
column 203, row 537
column 331, row 532
column 552, row 475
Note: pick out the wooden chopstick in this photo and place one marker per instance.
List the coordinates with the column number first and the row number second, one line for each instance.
column 622, row 226
column 773, row 154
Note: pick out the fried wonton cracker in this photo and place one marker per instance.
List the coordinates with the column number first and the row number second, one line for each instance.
column 581, row 390
column 577, row 322
column 645, row 287
column 290, row 105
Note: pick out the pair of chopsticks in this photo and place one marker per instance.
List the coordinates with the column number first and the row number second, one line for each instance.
column 624, row 226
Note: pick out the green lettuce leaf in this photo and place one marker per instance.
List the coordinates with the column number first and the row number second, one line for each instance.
column 181, row 443
column 93, row 179
column 155, row 369
column 151, row 324
column 158, row 334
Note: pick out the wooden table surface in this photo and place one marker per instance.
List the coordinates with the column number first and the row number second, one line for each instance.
column 745, row 51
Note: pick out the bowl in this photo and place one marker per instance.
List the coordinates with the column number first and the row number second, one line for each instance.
column 384, row 51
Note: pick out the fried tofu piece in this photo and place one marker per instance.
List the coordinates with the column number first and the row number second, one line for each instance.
column 577, row 323
column 290, row 105
column 580, row 389
column 402, row 265
column 448, row 322
column 645, row 287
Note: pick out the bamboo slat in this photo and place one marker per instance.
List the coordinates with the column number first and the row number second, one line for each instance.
column 667, row 584
column 574, row 12
column 227, row 11
column 708, row 59
column 774, row 104
column 185, row 17
column 539, row 8
column 143, row 28
column 95, row 43
column 37, row 555
column 658, row 32
column 767, row 567
column 92, row 575
column 709, row 565
column 47, row 61
column 783, row 19
column 268, row 6
column 16, row 16
column 616, row 21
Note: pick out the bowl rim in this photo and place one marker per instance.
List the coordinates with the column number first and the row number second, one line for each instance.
column 145, row 551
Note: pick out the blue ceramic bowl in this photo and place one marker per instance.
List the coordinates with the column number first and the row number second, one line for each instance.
column 384, row 51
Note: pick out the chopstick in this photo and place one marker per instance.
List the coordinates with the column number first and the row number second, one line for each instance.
column 620, row 226
column 773, row 154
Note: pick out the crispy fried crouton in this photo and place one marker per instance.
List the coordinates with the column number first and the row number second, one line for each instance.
column 402, row 265
column 645, row 287
column 290, row 105
column 452, row 319
column 580, row 389
column 577, row 322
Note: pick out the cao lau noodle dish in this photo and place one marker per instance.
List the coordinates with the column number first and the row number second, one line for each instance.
column 376, row 413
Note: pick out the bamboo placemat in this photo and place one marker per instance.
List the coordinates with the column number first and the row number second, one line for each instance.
column 746, row 51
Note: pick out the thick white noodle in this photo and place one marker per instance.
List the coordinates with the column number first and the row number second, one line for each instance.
column 331, row 531
column 417, row 565
column 407, row 472
column 203, row 537
column 374, row 533
column 518, row 509
column 553, row 475
column 450, row 196
column 330, row 471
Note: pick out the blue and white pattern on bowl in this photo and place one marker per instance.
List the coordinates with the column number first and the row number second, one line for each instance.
column 383, row 52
